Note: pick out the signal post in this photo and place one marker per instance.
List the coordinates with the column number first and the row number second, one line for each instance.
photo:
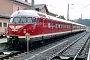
column 27, row 35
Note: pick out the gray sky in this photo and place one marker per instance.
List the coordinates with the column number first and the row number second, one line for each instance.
column 60, row 7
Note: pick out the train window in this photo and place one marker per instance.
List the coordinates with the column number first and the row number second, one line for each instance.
column 16, row 20
column 34, row 20
column 23, row 20
column 11, row 20
column 48, row 24
column 4, row 24
column 58, row 25
column 62, row 25
column 29, row 20
column 0, row 24
column 52, row 24
column 66, row 26
column 41, row 21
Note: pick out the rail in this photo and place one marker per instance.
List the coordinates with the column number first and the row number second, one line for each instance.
column 19, row 53
column 80, row 49
column 71, row 45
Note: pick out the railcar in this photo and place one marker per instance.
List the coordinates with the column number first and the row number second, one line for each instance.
column 39, row 26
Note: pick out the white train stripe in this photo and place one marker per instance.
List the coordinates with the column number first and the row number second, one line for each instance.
column 76, row 30
column 43, row 35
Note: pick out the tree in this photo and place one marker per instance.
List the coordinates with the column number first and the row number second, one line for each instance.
column 72, row 20
column 61, row 17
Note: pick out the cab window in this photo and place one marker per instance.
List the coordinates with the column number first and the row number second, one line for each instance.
column 41, row 21
column 33, row 20
column 29, row 20
column 16, row 20
column 11, row 20
column 23, row 20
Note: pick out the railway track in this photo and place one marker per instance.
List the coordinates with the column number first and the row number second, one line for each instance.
column 74, row 49
column 17, row 55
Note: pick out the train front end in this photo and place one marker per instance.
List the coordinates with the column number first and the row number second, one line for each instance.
column 15, row 35
column 19, row 25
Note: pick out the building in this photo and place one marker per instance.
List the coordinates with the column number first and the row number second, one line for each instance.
column 7, row 7
column 43, row 8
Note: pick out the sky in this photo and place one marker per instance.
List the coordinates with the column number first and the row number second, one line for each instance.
column 59, row 7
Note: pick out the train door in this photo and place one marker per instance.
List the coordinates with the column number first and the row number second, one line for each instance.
column 80, row 28
column 49, row 26
column 57, row 29
column 71, row 27
column 39, row 26
column 59, row 26
column 52, row 26
column 44, row 26
column 62, row 27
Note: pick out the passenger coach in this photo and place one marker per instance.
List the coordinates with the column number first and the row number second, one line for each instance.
column 39, row 26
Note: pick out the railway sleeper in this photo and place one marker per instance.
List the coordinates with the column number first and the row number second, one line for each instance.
column 6, row 54
column 69, row 57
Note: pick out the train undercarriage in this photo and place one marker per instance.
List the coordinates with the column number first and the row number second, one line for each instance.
column 16, row 42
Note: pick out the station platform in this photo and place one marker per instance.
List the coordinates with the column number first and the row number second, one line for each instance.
column 3, row 40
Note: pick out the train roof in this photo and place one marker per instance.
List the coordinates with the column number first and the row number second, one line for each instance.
column 33, row 13
column 28, row 13
column 58, row 19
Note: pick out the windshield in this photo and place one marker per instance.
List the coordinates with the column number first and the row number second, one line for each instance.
column 22, row 20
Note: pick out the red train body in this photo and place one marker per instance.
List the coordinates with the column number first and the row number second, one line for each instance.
column 39, row 26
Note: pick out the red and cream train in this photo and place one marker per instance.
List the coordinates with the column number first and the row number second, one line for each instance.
column 39, row 26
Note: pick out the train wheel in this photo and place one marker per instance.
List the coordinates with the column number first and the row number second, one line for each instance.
column 42, row 42
column 33, row 45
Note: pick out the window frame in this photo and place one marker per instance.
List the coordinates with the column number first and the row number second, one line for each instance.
column 34, row 20
column 41, row 21
column 4, row 24
column 1, row 24
column 49, row 24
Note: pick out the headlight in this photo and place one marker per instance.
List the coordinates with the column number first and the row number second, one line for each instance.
column 24, row 31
